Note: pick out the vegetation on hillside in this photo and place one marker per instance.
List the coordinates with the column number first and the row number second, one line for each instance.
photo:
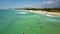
column 43, row 9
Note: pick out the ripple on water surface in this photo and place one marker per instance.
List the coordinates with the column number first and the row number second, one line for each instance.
column 20, row 22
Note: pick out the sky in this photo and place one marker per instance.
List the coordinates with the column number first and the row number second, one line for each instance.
column 4, row 4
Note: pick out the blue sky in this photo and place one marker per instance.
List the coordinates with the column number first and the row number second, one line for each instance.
column 28, row 3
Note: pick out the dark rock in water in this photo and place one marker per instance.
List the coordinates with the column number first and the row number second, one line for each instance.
column 23, row 33
column 41, row 26
column 30, row 28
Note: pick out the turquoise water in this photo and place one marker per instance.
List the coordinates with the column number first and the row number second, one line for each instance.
column 21, row 22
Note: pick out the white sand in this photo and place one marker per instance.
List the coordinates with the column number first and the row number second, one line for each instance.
column 44, row 12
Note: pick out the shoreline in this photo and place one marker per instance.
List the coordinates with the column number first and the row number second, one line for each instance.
column 44, row 12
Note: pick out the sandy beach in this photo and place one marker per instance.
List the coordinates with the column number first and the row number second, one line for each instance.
column 44, row 12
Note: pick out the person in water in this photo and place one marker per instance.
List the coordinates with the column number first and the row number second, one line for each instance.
column 29, row 28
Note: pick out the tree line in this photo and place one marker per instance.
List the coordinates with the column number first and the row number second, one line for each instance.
column 43, row 9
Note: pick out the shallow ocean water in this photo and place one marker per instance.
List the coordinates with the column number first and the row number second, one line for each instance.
column 21, row 22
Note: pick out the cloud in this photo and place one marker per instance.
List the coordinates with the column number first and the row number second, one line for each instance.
column 44, row 4
column 48, row 2
column 31, row 4
column 27, row 5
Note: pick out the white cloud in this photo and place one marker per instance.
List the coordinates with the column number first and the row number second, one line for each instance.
column 27, row 5
column 48, row 2
column 43, row 4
